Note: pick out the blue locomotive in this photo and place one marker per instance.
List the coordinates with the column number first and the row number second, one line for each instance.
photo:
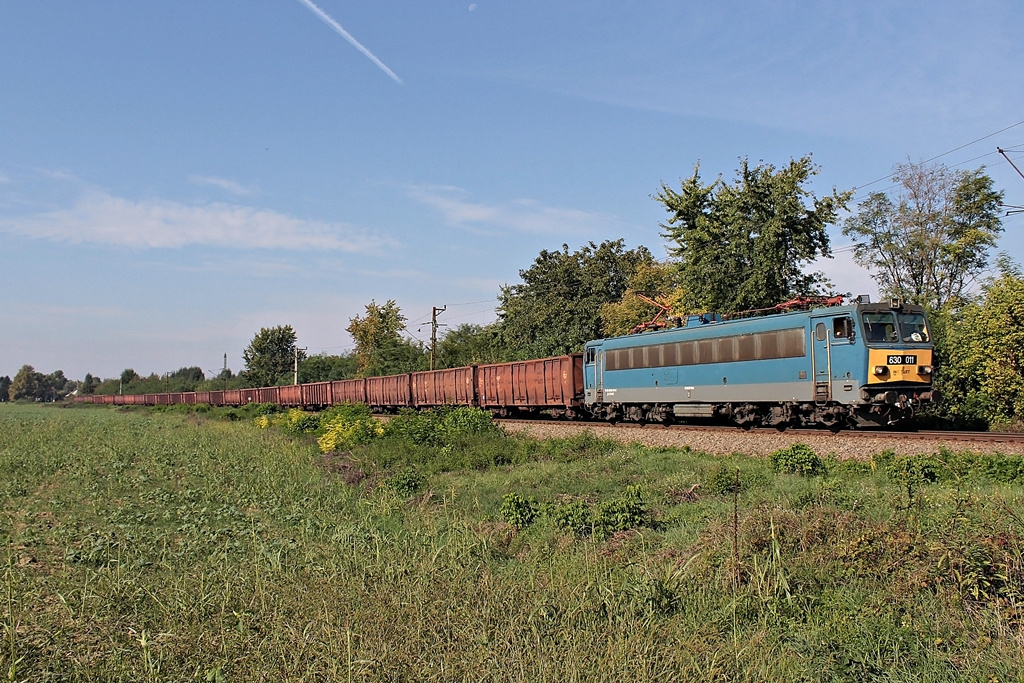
column 838, row 366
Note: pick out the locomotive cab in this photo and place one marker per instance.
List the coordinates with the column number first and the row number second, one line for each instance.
column 899, row 357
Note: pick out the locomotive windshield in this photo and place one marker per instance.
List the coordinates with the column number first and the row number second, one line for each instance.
column 913, row 328
column 891, row 327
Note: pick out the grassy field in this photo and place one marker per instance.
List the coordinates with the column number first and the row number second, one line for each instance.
column 146, row 546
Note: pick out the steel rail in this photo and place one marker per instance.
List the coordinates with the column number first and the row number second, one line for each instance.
column 874, row 433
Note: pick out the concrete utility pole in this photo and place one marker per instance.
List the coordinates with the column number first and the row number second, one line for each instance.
column 295, row 376
column 434, row 310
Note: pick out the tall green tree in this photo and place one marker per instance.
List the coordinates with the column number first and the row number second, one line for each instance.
column 5, row 388
column 54, row 386
column 983, row 378
column 928, row 241
column 88, row 385
column 557, row 308
column 128, row 375
column 270, row 356
column 380, row 347
column 745, row 245
column 324, row 368
column 27, row 384
column 469, row 345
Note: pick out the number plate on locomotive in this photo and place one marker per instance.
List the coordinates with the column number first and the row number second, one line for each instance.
column 901, row 360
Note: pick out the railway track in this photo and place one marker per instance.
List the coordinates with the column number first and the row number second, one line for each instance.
column 726, row 439
column 927, row 435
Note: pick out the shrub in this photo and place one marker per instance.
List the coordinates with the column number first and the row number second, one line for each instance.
column 405, row 482
column 518, row 511
column 621, row 514
column 343, row 432
column 915, row 470
column 723, row 480
column 797, row 459
column 442, row 426
column 296, row 421
column 465, row 421
column 414, row 427
column 572, row 517
column 352, row 411
column 610, row 516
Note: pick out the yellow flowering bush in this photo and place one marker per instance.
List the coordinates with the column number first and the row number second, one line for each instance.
column 345, row 432
column 297, row 421
column 263, row 421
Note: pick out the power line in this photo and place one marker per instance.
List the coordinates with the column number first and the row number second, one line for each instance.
column 955, row 149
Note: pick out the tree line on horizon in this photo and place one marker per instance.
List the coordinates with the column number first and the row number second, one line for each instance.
column 734, row 245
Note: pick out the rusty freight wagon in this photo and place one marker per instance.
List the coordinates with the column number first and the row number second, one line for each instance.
column 554, row 384
column 316, row 394
column 452, row 386
column 388, row 393
column 290, row 395
column 348, row 391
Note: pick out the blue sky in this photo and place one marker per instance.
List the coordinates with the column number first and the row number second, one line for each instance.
column 174, row 176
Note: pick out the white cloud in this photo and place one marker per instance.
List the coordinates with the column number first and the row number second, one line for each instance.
column 98, row 217
column 222, row 183
column 521, row 215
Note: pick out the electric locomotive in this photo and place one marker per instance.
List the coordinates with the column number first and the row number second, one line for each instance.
column 843, row 365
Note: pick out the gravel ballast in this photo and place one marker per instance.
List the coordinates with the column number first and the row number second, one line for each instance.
column 762, row 442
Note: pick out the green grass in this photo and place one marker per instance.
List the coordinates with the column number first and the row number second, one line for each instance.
column 153, row 546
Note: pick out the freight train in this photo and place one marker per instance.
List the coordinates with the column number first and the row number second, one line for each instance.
column 834, row 366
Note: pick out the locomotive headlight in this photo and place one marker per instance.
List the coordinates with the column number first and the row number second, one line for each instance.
column 924, row 369
column 881, row 369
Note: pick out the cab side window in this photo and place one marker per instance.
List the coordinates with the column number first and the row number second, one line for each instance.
column 842, row 328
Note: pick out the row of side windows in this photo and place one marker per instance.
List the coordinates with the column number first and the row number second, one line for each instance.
column 791, row 343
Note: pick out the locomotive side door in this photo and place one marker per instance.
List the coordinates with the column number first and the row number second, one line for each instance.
column 592, row 384
column 821, row 359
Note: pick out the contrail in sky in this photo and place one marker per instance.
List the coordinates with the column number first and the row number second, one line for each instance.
column 347, row 36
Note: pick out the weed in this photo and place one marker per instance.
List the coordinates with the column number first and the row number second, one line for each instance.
column 517, row 511
column 724, row 480
column 572, row 517
column 405, row 482
column 797, row 459
column 152, row 546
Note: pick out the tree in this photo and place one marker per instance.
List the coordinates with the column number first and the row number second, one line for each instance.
column 53, row 386
column 26, row 384
column 745, row 245
column 323, row 368
column 928, row 242
column 983, row 378
column 88, row 385
column 380, row 348
column 5, row 388
column 557, row 308
column 270, row 356
column 656, row 281
column 128, row 375
column 469, row 345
